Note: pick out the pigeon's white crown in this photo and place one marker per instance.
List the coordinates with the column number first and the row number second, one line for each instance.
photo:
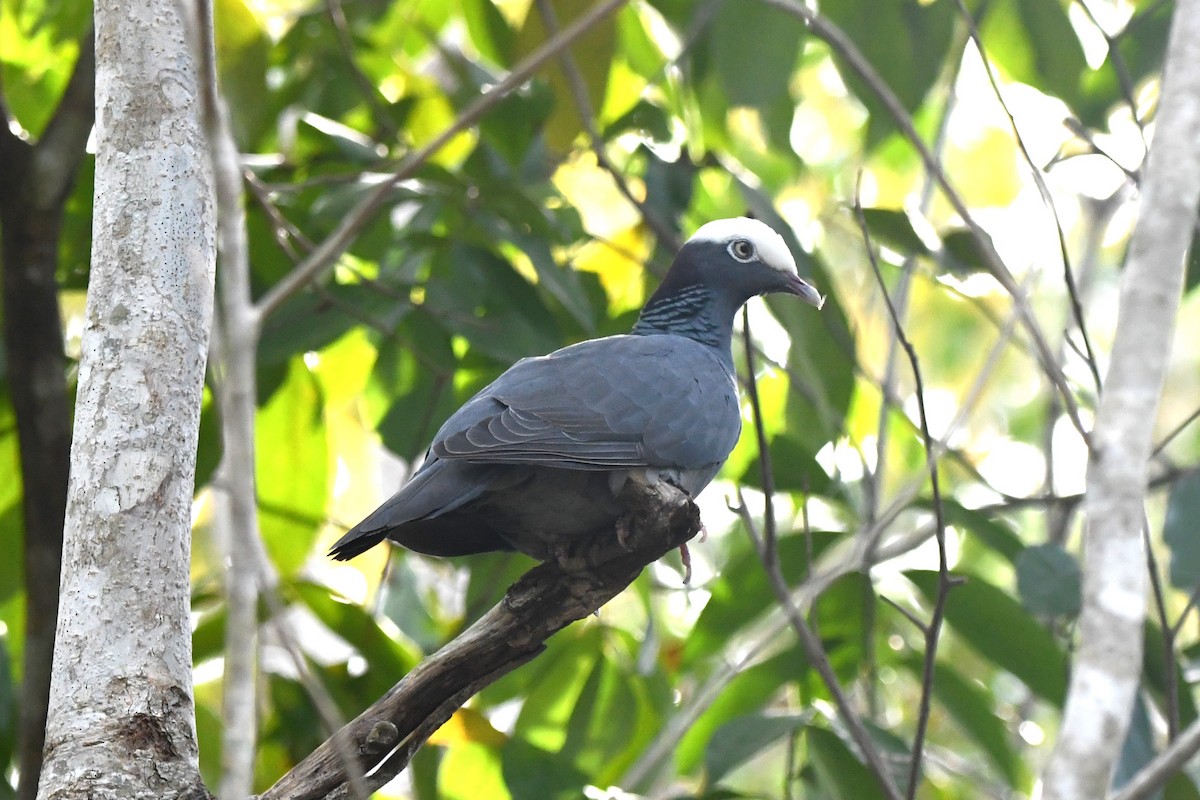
column 771, row 248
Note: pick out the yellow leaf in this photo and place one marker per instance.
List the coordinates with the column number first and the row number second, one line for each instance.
column 618, row 261
column 467, row 725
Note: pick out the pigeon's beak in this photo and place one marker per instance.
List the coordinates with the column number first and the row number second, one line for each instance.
column 804, row 290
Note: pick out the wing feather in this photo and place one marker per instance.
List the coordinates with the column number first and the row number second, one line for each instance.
column 613, row 403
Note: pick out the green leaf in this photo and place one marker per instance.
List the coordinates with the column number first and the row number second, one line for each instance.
column 906, row 42
column 530, row 771
column 489, row 31
column 312, row 320
column 669, row 184
column 388, row 658
column 795, row 469
column 562, row 283
column 1035, row 43
column 992, row 533
column 475, row 294
column 552, row 696
column 1181, row 786
column 840, row 773
column 420, row 390
column 616, row 714
column 242, row 54
column 961, row 254
column 415, row 612
column 1138, row 749
column 740, row 739
column 333, row 137
column 644, row 118
column 1181, row 531
column 1141, row 46
column 513, row 125
column 749, row 691
column 754, row 49
column 1003, row 632
column 8, row 709
column 1049, row 581
column 292, row 468
column 1155, row 672
column 893, row 229
column 209, row 448
column 12, row 538
column 822, row 356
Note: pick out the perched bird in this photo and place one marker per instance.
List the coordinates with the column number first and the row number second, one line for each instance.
column 539, row 455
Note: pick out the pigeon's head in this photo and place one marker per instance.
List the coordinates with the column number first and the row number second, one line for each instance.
column 741, row 256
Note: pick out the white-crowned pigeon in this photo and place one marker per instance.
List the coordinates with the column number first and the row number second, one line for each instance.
column 539, row 455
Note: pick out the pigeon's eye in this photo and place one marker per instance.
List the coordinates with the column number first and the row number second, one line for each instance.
column 741, row 249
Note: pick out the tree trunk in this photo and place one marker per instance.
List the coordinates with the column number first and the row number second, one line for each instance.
column 121, row 719
column 1107, row 668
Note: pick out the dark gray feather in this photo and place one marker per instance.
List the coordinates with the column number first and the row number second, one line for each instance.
column 618, row 402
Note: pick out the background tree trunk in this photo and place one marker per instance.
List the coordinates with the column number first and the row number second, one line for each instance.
column 38, row 179
column 121, row 720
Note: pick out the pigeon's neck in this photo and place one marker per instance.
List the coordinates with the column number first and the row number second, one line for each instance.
column 696, row 311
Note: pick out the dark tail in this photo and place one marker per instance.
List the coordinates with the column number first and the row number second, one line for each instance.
column 355, row 542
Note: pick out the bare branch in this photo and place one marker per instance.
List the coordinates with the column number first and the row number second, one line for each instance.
column 548, row 598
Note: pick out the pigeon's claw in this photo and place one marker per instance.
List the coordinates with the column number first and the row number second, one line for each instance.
column 686, row 558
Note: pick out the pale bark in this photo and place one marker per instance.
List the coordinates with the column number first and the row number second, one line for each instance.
column 121, row 721
column 234, row 351
column 1107, row 666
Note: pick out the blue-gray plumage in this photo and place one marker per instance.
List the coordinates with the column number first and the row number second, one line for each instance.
column 539, row 455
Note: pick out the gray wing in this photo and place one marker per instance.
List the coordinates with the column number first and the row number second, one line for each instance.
column 612, row 403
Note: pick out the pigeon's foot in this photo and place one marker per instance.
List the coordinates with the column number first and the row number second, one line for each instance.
column 686, row 557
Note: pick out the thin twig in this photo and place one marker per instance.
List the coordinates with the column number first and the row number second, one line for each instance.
column 817, row 659
column 1178, row 429
column 665, row 234
column 1044, row 190
column 841, row 44
column 765, row 546
column 1124, row 79
column 1162, row 767
column 933, row 630
column 1170, row 675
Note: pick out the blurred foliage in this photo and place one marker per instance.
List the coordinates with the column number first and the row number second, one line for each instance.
column 514, row 240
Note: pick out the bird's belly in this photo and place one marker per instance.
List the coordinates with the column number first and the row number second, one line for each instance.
column 542, row 505
column 551, row 505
